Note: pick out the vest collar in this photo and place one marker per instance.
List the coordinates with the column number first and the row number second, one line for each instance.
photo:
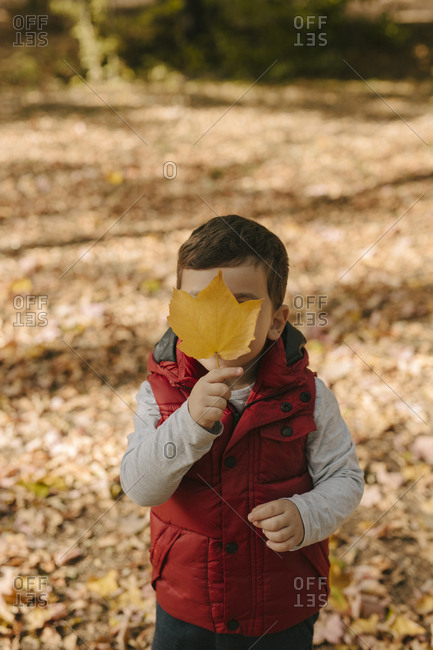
column 277, row 365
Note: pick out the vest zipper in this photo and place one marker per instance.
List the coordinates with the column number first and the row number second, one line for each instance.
column 183, row 386
column 236, row 415
column 277, row 394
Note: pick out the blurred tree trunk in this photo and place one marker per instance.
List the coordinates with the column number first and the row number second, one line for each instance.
column 90, row 47
column 88, row 16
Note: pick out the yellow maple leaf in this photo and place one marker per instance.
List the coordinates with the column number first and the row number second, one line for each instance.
column 213, row 322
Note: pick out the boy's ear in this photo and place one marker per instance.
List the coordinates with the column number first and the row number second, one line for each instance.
column 278, row 322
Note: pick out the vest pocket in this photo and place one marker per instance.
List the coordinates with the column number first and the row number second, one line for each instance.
column 163, row 536
column 182, row 562
column 281, row 453
column 317, row 554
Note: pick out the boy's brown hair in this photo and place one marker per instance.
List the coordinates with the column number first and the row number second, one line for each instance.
column 231, row 241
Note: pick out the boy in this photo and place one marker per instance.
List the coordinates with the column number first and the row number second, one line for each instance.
column 248, row 468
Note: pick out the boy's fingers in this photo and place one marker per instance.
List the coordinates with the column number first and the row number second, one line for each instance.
column 219, row 374
column 259, row 513
column 265, row 510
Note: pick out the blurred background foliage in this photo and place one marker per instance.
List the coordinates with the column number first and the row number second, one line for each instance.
column 220, row 39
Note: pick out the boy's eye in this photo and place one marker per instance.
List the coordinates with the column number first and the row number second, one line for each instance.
column 244, row 298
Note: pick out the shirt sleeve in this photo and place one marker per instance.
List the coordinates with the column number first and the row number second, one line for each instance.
column 156, row 459
column 338, row 480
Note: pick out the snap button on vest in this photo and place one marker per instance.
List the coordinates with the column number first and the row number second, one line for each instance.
column 233, row 624
column 230, row 461
column 286, row 431
column 231, row 547
column 305, row 397
column 286, row 407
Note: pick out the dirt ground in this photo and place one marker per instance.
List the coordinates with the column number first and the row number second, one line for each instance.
column 90, row 224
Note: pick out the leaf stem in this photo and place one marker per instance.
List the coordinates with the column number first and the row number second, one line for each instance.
column 216, row 354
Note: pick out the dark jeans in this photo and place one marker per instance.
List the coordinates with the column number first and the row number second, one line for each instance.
column 173, row 634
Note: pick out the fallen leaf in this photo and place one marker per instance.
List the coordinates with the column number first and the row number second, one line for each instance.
column 213, row 322
column 370, row 605
column 424, row 605
column 365, row 625
column 132, row 596
column 329, row 629
column 337, row 600
column 104, row 586
column 372, row 496
column 70, row 556
column 423, row 448
column 36, row 617
column 115, row 178
column 23, row 285
column 404, row 626
column 5, row 613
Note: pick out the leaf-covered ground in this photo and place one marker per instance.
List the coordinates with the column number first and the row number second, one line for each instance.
column 89, row 224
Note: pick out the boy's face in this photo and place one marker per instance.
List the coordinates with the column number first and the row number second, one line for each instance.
column 246, row 282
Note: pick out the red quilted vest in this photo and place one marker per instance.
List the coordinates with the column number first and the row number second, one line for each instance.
column 210, row 565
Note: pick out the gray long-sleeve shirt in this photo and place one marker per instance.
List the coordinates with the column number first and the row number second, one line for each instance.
column 156, row 459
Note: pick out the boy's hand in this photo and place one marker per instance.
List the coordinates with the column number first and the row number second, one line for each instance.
column 281, row 523
column 209, row 396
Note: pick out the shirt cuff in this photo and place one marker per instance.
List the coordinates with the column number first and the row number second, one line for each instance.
column 217, row 427
column 302, row 542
